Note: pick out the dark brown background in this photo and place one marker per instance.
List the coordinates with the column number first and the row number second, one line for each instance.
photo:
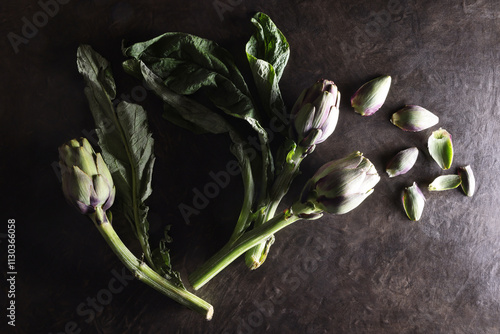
column 369, row 271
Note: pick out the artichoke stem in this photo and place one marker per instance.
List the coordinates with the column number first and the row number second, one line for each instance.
column 231, row 251
column 255, row 257
column 147, row 275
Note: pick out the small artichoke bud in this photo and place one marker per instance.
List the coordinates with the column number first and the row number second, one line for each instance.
column 402, row 162
column 441, row 148
column 468, row 180
column 414, row 118
column 413, row 202
column 340, row 186
column 86, row 181
column 315, row 114
column 445, row 182
column 371, row 96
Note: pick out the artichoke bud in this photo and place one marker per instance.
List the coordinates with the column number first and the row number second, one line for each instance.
column 441, row 148
column 340, row 186
column 468, row 180
column 86, row 181
column 445, row 182
column 402, row 162
column 317, row 108
column 413, row 202
column 414, row 118
column 371, row 96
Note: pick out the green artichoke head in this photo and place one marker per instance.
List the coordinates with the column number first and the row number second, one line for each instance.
column 340, row 186
column 86, row 181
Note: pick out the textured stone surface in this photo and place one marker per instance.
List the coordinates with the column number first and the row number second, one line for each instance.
column 369, row 271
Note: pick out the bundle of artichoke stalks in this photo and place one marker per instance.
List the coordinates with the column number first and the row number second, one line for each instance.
column 177, row 65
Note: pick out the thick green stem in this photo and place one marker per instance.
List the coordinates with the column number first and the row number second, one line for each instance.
column 255, row 257
column 147, row 275
column 231, row 251
column 266, row 167
column 249, row 191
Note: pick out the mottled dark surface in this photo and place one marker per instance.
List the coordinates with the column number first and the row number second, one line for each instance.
column 369, row 271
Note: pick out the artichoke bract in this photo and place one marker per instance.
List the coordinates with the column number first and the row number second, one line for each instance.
column 371, row 96
column 315, row 114
column 86, row 181
column 440, row 148
column 414, row 118
column 402, row 162
column 445, row 182
column 340, row 186
column 468, row 180
column 413, row 202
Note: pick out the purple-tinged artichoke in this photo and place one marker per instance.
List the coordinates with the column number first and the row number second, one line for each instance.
column 340, row 186
column 315, row 114
column 86, row 181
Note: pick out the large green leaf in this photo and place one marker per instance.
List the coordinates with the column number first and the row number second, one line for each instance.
column 178, row 65
column 268, row 52
column 188, row 64
column 193, row 115
column 125, row 141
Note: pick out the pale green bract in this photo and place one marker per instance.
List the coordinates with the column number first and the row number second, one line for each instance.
column 414, row 118
column 441, row 148
column 468, row 180
column 413, row 202
column 445, row 182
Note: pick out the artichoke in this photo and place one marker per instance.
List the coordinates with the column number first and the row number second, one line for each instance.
column 315, row 114
column 340, row 186
column 86, row 181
